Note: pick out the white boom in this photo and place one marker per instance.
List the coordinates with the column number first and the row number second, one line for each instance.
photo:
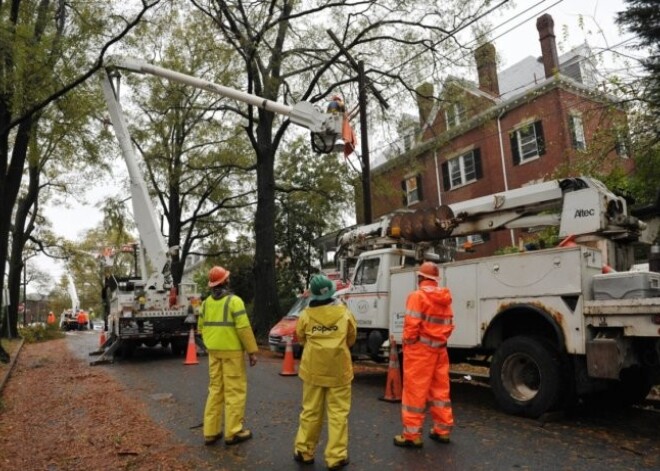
column 579, row 206
column 73, row 294
column 327, row 126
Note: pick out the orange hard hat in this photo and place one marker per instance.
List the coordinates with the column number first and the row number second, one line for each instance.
column 429, row 270
column 217, row 276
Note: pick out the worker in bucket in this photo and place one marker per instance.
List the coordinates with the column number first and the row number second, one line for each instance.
column 326, row 329
column 227, row 335
column 427, row 325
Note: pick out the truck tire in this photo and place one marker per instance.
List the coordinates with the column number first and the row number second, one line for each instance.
column 526, row 376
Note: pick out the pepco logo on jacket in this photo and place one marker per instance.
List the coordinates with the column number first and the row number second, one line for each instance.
column 323, row 329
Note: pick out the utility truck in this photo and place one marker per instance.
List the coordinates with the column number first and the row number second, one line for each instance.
column 552, row 325
column 147, row 308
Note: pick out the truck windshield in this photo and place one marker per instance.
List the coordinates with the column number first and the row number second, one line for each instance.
column 367, row 272
column 298, row 306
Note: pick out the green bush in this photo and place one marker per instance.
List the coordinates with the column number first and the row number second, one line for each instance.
column 40, row 333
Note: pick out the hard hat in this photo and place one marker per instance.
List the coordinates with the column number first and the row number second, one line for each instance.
column 429, row 270
column 322, row 287
column 217, row 276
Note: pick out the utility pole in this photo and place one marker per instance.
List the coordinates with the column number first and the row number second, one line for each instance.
column 364, row 136
column 363, row 84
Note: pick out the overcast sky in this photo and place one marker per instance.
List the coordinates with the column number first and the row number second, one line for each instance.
column 576, row 21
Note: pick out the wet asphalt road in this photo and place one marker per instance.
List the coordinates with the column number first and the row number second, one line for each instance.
column 483, row 439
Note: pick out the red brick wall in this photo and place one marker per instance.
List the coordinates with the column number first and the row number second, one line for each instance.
column 552, row 108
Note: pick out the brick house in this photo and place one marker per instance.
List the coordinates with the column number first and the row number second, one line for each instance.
column 537, row 120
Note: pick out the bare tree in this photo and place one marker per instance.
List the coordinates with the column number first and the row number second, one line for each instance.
column 287, row 55
column 48, row 49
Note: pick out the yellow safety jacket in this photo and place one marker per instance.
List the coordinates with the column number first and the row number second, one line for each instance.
column 225, row 326
column 327, row 332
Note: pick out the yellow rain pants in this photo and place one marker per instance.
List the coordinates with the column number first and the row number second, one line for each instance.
column 337, row 402
column 227, row 393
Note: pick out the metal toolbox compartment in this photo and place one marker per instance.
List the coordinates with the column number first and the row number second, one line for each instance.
column 626, row 285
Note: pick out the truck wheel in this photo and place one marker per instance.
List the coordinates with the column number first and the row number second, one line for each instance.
column 178, row 346
column 526, row 376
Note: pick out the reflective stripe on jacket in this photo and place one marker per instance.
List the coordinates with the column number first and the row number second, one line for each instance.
column 219, row 321
column 327, row 332
column 429, row 316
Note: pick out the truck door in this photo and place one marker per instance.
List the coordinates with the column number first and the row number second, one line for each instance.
column 363, row 297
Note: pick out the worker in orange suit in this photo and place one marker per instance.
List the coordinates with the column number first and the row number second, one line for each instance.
column 81, row 320
column 427, row 325
column 51, row 318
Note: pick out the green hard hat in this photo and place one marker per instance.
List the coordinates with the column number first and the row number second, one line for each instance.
column 322, row 287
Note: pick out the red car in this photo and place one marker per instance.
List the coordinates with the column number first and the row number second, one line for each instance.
column 287, row 327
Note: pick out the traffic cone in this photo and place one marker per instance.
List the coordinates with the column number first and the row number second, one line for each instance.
column 288, row 366
column 191, row 354
column 393, row 386
column 102, row 339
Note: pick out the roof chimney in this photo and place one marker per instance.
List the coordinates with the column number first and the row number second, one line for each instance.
column 424, row 101
column 546, row 27
column 487, row 69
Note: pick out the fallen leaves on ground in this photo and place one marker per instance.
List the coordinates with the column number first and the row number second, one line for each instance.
column 58, row 415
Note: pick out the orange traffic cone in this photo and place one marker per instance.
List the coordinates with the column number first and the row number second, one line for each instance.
column 191, row 354
column 393, row 386
column 568, row 242
column 102, row 339
column 288, row 366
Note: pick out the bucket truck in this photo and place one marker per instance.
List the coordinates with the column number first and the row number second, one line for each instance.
column 147, row 308
column 550, row 324
column 68, row 319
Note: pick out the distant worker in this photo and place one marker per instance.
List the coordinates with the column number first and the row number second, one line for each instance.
column 51, row 318
column 227, row 334
column 427, row 325
column 82, row 320
column 327, row 329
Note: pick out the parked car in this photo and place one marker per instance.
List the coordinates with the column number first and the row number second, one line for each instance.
column 287, row 327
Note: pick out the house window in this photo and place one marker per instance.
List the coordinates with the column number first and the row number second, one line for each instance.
column 466, row 242
column 527, row 143
column 461, row 170
column 455, row 115
column 622, row 146
column 577, row 132
column 412, row 190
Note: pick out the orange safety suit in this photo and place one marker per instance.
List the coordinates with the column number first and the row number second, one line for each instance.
column 81, row 320
column 51, row 318
column 427, row 325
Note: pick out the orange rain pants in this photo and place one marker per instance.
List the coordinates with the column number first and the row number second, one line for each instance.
column 425, row 383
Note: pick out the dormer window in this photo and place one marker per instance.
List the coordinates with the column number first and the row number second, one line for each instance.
column 455, row 115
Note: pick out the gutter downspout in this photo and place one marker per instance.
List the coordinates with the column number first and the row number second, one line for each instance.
column 437, row 177
column 506, row 182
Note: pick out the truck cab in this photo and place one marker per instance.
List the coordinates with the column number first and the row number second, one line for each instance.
column 369, row 296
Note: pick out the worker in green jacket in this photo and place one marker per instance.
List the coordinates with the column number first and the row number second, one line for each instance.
column 227, row 334
column 327, row 329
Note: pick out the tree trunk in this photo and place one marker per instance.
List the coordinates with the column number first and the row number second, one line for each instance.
column 266, row 304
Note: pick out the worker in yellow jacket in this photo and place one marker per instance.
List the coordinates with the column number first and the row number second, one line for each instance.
column 227, row 334
column 326, row 329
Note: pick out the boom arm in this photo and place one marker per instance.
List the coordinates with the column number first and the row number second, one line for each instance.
column 577, row 205
column 73, row 294
column 326, row 131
